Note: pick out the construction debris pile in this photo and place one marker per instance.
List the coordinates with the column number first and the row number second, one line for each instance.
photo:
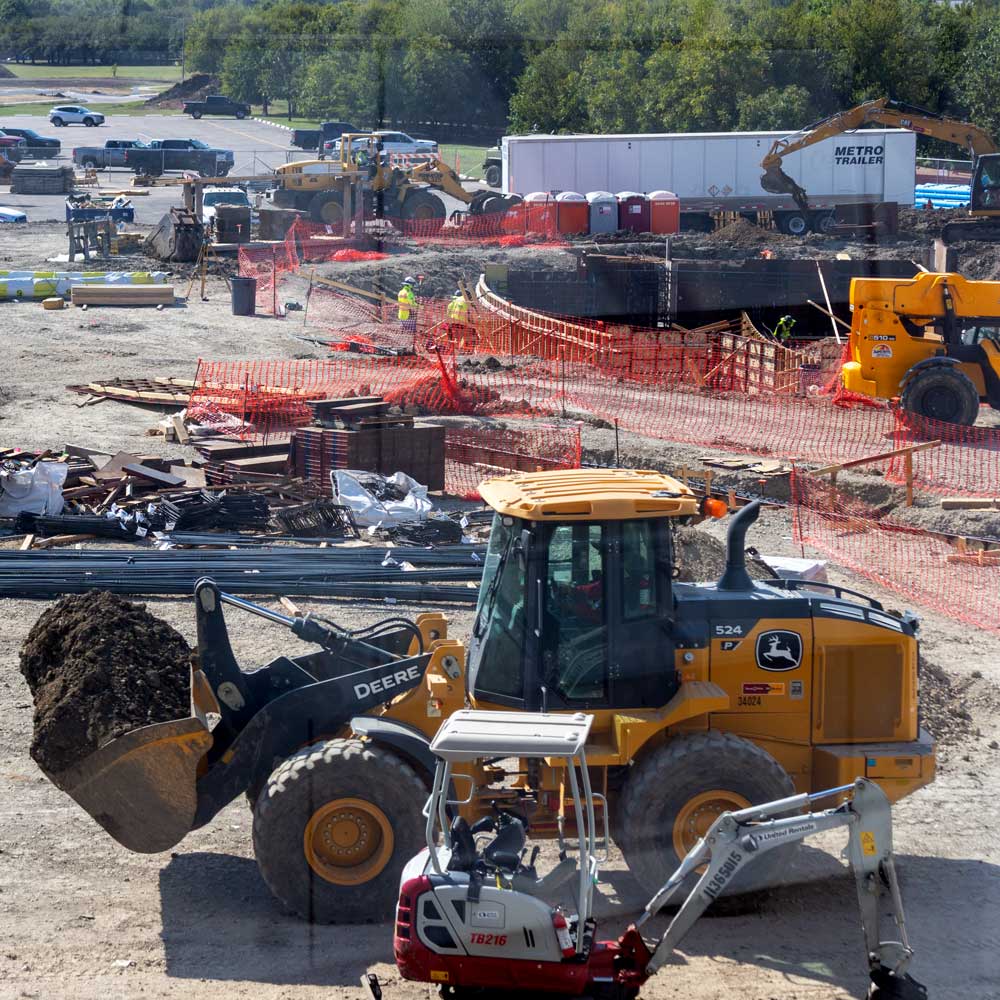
column 98, row 667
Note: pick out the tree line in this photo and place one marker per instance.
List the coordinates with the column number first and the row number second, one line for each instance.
column 553, row 65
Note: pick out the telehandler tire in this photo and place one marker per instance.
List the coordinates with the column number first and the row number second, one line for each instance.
column 333, row 828
column 942, row 392
column 674, row 794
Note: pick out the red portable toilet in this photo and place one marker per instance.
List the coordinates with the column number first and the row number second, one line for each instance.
column 664, row 212
column 572, row 213
column 540, row 212
column 633, row 211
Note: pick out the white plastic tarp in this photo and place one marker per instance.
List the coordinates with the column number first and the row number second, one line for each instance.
column 369, row 511
column 37, row 490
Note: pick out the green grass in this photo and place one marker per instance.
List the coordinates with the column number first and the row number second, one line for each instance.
column 43, row 71
column 470, row 158
column 42, row 108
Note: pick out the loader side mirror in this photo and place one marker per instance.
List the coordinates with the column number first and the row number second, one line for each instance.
column 522, row 546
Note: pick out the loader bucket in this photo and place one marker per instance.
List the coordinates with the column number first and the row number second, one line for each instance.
column 141, row 787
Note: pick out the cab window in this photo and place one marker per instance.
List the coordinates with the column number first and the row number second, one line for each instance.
column 639, row 577
column 574, row 631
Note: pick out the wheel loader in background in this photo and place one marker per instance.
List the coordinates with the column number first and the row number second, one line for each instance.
column 984, row 203
column 324, row 188
column 933, row 341
column 706, row 698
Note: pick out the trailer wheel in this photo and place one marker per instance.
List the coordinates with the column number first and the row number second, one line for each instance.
column 493, row 176
column 333, row 828
column 942, row 392
column 674, row 794
column 792, row 223
column 824, row 222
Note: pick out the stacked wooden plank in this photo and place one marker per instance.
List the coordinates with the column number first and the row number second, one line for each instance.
column 122, row 295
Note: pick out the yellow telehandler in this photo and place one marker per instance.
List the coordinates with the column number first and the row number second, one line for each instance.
column 706, row 698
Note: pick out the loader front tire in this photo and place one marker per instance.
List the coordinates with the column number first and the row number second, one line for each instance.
column 674, row 794
column 333, row 828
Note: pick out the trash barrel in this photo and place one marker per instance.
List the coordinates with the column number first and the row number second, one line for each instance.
column 244, row 296
column 572, row 213
column 633, row 211
column 603, row 212
column 664, row 213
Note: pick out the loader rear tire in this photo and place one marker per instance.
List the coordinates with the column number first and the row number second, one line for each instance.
column 333, row 828
column 674, row 794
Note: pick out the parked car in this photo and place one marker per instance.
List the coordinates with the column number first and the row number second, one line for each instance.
column 74, row 114
column 13, row 146
column 392, row 142
column 179, row 154
column 216, row 104
column 215, row 196
column 314, row 138
column 34, row 141
column 111, row 154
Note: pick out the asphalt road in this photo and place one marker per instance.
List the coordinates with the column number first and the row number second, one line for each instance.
column 259, row 148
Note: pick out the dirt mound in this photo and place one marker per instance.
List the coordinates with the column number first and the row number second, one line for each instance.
column 97, row 667
column 194, row 88
column 701, row 557
column 928, row 222
column 947, row 701
column 743, row 233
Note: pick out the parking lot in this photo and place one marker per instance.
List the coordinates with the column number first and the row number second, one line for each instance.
column 259, row 148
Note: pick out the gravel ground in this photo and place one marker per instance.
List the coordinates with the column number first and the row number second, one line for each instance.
column 83, row 919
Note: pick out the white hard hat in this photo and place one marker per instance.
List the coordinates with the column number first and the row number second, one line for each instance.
column 409, row 281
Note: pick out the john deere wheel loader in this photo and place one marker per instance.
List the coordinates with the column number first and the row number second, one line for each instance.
column 327, row 188
column 933, row 341
column 706, row 698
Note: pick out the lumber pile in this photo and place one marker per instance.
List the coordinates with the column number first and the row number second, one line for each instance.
column 122, row 295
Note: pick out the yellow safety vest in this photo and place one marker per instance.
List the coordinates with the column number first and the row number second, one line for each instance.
column 458, row 310
column 407, row 301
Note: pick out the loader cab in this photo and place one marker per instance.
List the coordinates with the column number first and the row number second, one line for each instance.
column 577, row 612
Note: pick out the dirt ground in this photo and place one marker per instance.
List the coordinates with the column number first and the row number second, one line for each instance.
column 83, row 919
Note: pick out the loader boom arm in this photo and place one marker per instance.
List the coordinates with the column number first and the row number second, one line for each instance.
column 736, row 838
column 881, row 112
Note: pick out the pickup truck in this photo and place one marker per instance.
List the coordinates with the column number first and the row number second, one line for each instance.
column 216, row 104
column 111, row 154
column 179, row 154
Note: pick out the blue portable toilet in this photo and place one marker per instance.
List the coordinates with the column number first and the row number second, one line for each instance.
column 603, row 212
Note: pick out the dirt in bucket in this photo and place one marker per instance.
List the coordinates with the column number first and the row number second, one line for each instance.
column 99, row 666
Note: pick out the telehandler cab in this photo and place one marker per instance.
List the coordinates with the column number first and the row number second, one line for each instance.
column 706, row 698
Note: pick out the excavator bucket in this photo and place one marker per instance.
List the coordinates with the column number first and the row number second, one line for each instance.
column 774, row 180
column 141, row 787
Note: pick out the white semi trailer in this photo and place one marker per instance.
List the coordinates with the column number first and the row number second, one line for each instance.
column 713, row 172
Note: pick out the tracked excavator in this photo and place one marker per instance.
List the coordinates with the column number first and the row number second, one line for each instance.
column 707, row 698
column 475, row 916
column 401, row 194
column 984, row 203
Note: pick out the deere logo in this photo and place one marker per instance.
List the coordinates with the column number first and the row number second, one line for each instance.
column 779, row 650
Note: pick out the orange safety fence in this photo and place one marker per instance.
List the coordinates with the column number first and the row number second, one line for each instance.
column 266, row 264
column 957, row 577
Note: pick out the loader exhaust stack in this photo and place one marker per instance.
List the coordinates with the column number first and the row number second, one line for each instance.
column 736, row 576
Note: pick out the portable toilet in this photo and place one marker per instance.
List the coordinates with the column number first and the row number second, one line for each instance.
column 603, row 208
column 572, row 213
column 540, row 212
column 664, row 212
column 633, row 211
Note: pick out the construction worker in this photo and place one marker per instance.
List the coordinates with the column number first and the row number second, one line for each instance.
column 783, row 331
column 407, row 303
column 458, row 321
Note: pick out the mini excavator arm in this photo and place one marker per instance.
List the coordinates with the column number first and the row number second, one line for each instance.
column 736, row 838
column 881, row 112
